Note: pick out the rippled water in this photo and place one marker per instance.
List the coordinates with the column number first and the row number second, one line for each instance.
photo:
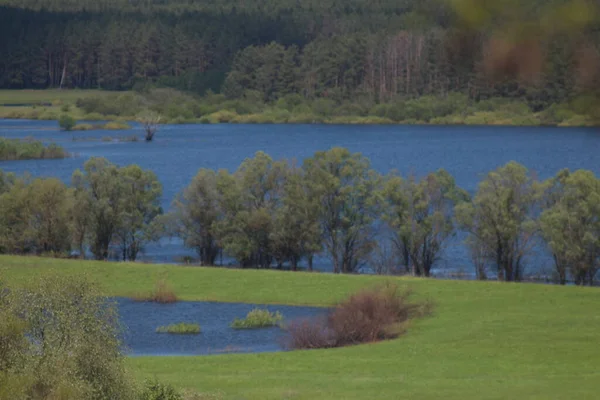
column 141, row 320
column 180, row 150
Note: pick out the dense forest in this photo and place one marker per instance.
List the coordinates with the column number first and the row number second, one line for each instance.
column 372, row 51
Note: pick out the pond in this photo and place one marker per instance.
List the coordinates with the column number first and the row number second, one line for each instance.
column 178, row 151
column 141, row 319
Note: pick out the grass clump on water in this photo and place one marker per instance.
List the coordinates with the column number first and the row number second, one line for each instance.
column 15, row 149
column 181, row 328
column 258, row 318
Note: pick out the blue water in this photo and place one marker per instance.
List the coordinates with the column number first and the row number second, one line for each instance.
column 140, row 321
column 179, row 151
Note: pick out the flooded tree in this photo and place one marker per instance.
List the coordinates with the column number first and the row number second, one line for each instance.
column 150, row 121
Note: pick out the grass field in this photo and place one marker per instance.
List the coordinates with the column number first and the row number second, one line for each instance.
column 485, row 340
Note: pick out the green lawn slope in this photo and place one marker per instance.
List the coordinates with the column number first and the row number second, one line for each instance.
column 485, row 340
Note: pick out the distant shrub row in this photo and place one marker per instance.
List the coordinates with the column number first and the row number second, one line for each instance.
column 29, row 149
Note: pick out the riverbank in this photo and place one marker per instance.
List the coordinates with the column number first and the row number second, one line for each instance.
column 181, row 108
column 485, row 340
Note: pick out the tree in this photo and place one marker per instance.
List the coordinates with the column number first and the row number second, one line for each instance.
column 140, row 206
column 150, row 121
column 122, row 205
column 100, row 179
column 59, row 338
column 296, row 232
column 421, row 217
column 66, row 122
column 571, row 225
column 500, row 219
column 196, row 211
column 250, row 199
column 347, row 190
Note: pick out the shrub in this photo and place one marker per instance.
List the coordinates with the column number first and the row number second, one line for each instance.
column 62, row 342
column 162, row 294
column 368, row 316
column 155, row 390
column 66, row 122
column 181, row 328
column 14, row 149
column 258, row 318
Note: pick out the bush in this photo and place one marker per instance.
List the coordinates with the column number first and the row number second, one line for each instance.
column 60, row 339
column 14, row 149
column 368, row 316
column 181, row 328
column 162, row 294
column 83, row 127
column 66, row 122
column 154, row 390
column 258, row 318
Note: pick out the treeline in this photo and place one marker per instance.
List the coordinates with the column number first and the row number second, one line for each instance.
column 369, row 52
column 275, row 214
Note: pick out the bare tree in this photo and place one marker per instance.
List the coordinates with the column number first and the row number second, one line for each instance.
column 150, row 121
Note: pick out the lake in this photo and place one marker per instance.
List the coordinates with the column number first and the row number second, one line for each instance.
column 140, row 321
column 178, row 151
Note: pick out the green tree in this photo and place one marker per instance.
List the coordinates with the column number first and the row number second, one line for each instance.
column 421, row 217
column 250, row 199
column 66, row 122
column 500, row 219
column 100, row 179
column 296, row 232
column 347, row 190
column 140, row 206
column 571, row 225
column 196, row 211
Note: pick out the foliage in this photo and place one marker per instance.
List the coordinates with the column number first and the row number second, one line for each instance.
column 66, row 122
column 346, row 188
column 62, row 342
column 14, row 149
column 500, row 220
column 258, row 318
column 155, row 390
column 124, row 205
column 196, row 211
column 571, row 225
column 421, row 217
column 181, row 328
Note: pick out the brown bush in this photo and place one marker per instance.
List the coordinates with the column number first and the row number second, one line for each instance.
column 370, row 315
column 309, row 333
column 162, row 294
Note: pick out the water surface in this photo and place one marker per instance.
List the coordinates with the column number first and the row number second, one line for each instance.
column 178, row 151
column 141, row 320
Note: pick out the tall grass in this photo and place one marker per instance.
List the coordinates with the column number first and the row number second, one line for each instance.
column 258, row 318
column 15, row 149
column 162, row 294
column 181, row 328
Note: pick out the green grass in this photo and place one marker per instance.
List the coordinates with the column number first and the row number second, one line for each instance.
column 258, row 318
column 485, row 340
column 181, row 328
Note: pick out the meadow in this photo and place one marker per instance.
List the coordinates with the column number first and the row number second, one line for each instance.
column 484, row 340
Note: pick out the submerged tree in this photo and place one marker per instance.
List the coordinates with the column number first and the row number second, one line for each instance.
column 150, row 122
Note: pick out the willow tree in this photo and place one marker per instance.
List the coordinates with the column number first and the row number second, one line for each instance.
column 571, row 225
column 420, row 214
column 348, row 192
column 500, row 219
